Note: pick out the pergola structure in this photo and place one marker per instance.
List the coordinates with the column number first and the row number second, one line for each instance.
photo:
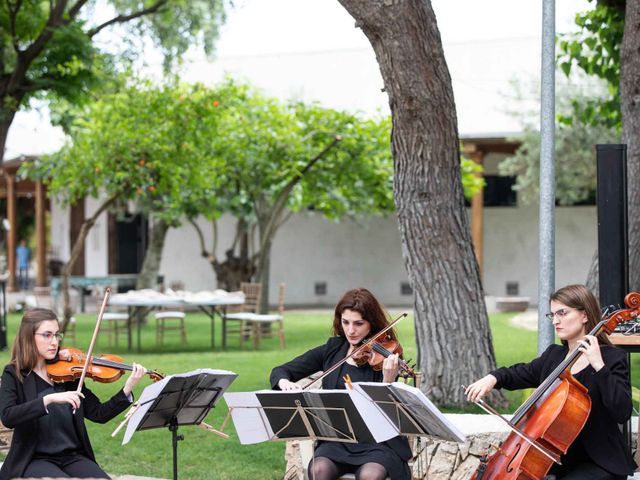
column 13, row 187
column 476, row 148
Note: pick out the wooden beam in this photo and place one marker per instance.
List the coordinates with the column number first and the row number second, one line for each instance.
column 477, row 213
column 41, row 236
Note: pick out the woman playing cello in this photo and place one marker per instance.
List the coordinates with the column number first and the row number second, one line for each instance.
column 50, row 438
column 599, row 451
column 357, row 315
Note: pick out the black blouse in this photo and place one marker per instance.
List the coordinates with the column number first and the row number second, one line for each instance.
column 601, row 439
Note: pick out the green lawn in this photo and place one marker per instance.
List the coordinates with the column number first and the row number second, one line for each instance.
column 201, row 452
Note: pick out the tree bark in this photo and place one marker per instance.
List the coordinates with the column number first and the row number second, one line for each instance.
column 451, row 322
column 630, row 110
column 153, row 256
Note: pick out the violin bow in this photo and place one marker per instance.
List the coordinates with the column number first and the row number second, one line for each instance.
column 358, row 350
column 87, row 360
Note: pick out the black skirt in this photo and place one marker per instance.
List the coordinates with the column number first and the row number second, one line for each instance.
column 357, row 454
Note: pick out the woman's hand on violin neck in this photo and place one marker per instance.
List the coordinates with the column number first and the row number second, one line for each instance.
column 590, row 348
column 72, row 398
column 480, row 388
column 285, row 384
column 390, row 368
column 134, row 377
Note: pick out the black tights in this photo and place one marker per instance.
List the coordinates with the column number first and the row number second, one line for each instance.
column 321, row 468
column 75, row 466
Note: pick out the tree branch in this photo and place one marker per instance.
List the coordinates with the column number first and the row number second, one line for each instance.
column 275, row 215
column 203, row 248
column 125, row 18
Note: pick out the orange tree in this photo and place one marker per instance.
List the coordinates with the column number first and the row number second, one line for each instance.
column 146, row 144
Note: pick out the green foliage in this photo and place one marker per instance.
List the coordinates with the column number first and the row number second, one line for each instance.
column 472, row 181
column 267, row 144
column 595, row 50
column 574, row 152
column 144, row 143
column 48, row 48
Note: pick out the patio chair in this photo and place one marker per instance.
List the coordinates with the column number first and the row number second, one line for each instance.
column 238, row 319
column 170, row 321
column 114, row 322
column 45, row 300
column 260, row 321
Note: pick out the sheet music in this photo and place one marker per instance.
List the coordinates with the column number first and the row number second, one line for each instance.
column 335, row 414
column 223, row 378
column 424, row 416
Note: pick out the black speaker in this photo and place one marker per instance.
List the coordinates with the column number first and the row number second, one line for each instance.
column 613, row 243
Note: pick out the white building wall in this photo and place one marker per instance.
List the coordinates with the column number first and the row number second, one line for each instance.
column 96, row 249
column 309, row 249
column 60, row 249
column 511, row 247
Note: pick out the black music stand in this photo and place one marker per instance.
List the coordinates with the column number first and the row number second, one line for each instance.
column 183, row 399
column 333, row 415
column 410, row 411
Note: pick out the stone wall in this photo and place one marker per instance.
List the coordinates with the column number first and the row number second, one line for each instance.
column 435, row 459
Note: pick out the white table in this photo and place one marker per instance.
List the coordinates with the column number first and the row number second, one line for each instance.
column 141, row 302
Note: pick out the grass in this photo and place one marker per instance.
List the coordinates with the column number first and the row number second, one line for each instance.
column 149, row 452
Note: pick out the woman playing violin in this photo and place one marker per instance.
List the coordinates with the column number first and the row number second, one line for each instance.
column 599, row 451
column 358, row 315
column 50, row 438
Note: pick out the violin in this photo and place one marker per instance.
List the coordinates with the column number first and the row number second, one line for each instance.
column 105, row 369
column 375, row 352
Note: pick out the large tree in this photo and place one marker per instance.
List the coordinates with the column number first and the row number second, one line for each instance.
column 452, row 326
column 280, row 158
column 48, row 48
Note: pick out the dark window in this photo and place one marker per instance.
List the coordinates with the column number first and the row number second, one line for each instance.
column 405, row 288
column 320, row 288
column 513, row 288
column 498, row 192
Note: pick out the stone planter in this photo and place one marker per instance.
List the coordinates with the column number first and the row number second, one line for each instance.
column 512, row 304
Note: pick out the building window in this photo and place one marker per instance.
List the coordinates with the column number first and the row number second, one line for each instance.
column 320, row 288
column 498, row 192
column 405, row 288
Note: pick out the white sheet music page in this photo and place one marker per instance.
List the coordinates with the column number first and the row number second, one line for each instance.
column 150, row 393
column 421, row 409
column 248, row 417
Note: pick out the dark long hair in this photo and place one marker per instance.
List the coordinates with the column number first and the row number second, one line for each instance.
column 581, row 298
column 24, row 355
column 366, row 304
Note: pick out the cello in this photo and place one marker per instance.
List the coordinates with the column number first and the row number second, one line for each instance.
column 545, row 426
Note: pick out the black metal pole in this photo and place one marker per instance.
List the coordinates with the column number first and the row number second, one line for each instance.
column 175, row 438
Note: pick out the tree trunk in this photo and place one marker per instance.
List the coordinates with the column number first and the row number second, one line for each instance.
column 451, row 321
column 6, row 118
column 153, row 256
column 630, row 109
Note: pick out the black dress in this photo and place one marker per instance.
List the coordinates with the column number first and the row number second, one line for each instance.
column 21, row 409
column 392, row 454
column 600, row 441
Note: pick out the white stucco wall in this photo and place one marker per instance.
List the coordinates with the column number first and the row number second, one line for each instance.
column 309, row 249
column 96, row 258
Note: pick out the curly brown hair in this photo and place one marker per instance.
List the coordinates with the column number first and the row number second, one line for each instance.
column 366, row 304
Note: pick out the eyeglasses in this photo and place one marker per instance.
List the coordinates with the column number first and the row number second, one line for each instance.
column 48, row 336
column 561, row 313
